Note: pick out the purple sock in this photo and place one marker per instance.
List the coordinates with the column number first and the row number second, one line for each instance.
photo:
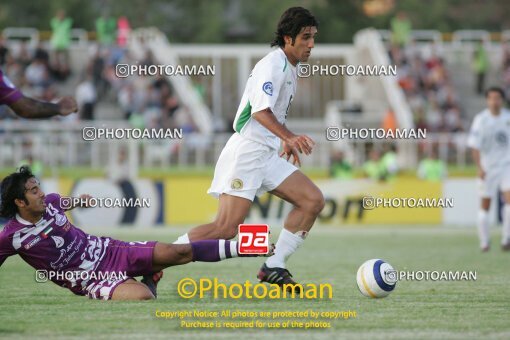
column 213, row 250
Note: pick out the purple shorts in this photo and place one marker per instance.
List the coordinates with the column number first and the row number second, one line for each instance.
column 132, row 258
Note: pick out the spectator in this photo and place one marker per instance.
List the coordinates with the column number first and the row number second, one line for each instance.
column 23, row 56
column 61, row 39
column 373, row 168
column 15, row 71
column 41, row 54
column 339, row 167
column 389, row 122
column 86, row 97
column 37, row 75
column 4, row 50
column 119, row 169
column 97, row 69
column 431, row 168
column 480, row 66
column 106, row 29
column 400, row 29
column 123, row 30
column 389, row 161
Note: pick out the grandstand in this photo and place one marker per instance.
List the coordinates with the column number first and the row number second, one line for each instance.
column 425, row 94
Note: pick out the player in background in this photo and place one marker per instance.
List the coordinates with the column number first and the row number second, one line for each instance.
column 489, row 139
column 250, row 163
column 39, row 231
column 26, row 107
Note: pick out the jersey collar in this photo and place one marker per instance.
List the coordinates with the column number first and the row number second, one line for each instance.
column 23, row 221
column 289, row 64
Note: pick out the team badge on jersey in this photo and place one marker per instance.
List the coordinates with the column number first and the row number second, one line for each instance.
column 501, row 138
column 268, row 88
column 60, row 219
column 236, row 184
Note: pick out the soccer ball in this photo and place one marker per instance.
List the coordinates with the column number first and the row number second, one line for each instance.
column 376, row 278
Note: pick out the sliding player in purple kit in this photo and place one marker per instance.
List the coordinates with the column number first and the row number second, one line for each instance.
column 39, row 231
column 26, row 107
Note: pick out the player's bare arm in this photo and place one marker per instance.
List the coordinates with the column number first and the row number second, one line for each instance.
column 292, row 144
column 476, row 159
column 27, row 107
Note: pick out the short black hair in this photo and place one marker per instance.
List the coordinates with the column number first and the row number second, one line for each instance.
column 12, row 188
column 291, row 22
column 495, row 89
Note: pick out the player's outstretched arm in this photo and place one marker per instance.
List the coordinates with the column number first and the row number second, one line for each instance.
column 27, row 107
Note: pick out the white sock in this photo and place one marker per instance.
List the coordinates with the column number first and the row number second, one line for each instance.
column 287, row 244
column 505, row 239
column 183, row 239
column 483, row 228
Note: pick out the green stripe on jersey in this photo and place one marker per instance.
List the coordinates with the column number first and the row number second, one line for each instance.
column 243, row 117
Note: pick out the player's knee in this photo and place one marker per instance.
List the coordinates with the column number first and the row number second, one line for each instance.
column 134, row 292
column 316, row 202
column 145, row 295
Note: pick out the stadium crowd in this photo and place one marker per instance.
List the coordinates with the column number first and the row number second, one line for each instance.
column 425, row 81
column 44, row 73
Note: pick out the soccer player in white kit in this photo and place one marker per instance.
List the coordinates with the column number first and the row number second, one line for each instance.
column 250, row 164
column 489, row 138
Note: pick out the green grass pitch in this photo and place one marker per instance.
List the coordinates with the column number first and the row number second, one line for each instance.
column 442, row 309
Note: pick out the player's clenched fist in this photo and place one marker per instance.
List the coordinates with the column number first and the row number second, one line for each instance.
column 67, row 105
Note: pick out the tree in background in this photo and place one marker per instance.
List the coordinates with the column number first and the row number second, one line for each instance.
column 221, row 21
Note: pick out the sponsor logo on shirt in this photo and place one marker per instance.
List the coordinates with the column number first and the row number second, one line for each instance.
column 59, row 241
column 33, row 242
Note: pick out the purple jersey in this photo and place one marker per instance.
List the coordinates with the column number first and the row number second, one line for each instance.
column 8, row 92
column 53, row 244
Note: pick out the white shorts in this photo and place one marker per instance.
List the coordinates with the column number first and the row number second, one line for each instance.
column 246, row 168
column 496, row 179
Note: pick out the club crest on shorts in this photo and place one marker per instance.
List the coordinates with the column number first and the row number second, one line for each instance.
column 268, row 88
column 236, row 184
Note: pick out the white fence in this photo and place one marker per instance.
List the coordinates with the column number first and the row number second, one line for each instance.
column 59, row 144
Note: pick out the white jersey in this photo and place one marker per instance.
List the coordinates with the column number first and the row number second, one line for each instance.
column 491, row 136
column 272, row 84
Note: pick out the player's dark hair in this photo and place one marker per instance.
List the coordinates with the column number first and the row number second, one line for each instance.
column 291, row 22
column 495, row 89
column 12, row 188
